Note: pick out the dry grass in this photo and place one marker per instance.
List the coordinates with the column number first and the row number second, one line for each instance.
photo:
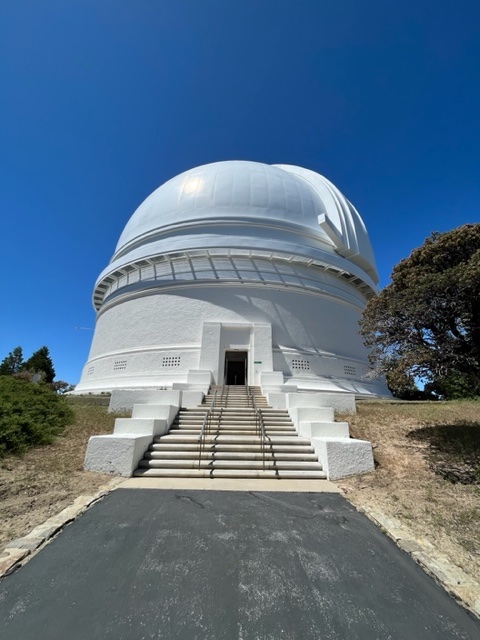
column 428, row 472
column 46, row 479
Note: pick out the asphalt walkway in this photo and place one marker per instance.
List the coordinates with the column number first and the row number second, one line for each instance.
column 183, row 564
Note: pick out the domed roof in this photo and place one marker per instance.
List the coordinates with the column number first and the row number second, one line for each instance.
column 224, row 189
column 299, row 202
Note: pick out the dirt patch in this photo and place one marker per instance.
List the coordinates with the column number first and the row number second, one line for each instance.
column 427, row 459
column 47, row 479
column 453, row 450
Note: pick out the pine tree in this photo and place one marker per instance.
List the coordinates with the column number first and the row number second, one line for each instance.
column 41, row 362
column 13, row 363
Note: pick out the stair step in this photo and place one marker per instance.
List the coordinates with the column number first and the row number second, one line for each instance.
column 232, row 432
column 232, row 427
column 234, row 439
column 224, row 427
column 230, row 455
column 230, row 464
column 232, row 446
column 279, row 448
column 234, row 413
column 228, row 415
column 233, row 419
column 230, row 423
column 257, row 473
column 230, row 473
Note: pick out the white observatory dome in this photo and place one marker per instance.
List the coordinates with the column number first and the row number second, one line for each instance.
column 222, row 255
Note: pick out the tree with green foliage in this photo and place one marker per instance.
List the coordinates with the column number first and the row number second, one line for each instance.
column 61, row 387
column 426, row 322
column 30, row 414
column 41, row 362
column 13, row 363
column 454, row 386
column 400, row 383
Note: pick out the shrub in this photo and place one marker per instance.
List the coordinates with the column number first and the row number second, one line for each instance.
column 30, row 414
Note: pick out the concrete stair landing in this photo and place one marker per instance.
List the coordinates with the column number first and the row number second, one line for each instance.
column 232, row 447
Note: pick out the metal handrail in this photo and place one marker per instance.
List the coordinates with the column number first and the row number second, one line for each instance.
column 224, row 393
column 207, row 422
column 259, row 427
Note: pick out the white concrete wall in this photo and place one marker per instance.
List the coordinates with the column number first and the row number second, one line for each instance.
column 342, row 457
column 133, row 339
column 124, row 399
column 115, row 454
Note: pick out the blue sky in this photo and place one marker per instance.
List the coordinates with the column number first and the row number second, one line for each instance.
column 104, row 100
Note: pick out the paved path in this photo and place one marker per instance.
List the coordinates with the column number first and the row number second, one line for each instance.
column 181, row 564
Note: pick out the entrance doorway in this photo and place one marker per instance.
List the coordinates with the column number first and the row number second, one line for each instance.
column 236, row 367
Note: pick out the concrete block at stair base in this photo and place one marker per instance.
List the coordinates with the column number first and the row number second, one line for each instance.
column 271, row 378
column 192, row 398
column 310, row 414
column 342, row 457
column 310, row 429
column 338, row 401
column 185, row 386
column 277, row 388
column 140, row 427
column 341, row 402
column 277, row 400
column 118, row 455
column 199, row 377
column 124, row 399
column 156, row 412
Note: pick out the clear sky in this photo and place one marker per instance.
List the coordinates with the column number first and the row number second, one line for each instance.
column 104, row 100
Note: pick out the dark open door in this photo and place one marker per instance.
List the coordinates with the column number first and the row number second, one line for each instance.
column 236, row 367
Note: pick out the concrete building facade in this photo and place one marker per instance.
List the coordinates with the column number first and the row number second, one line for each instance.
column 237, row 269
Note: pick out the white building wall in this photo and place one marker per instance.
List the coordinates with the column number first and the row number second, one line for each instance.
column 155, row 339
column 272, row 259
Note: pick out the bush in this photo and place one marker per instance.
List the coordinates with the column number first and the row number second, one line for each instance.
column 30, row 414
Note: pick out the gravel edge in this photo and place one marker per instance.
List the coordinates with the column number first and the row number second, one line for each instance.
column 453, row 579
column 19, row 551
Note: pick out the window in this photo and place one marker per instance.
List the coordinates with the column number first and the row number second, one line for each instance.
column 119, row 364
column 349, row 371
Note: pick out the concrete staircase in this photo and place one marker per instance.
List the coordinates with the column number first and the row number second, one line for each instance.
column 232, row 446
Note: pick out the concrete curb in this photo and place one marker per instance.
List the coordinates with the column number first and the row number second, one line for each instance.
column 454, row 580
column 19, row 551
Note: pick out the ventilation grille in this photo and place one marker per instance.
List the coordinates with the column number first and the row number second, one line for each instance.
column 349, row 371
column 90, row 371
column 301, row 365
column 119, row 364
column 171, row 361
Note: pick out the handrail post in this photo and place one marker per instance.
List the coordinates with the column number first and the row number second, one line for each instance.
column 259, row 427
column 205, row 429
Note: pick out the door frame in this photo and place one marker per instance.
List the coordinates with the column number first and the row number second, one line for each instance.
column 226, row 360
